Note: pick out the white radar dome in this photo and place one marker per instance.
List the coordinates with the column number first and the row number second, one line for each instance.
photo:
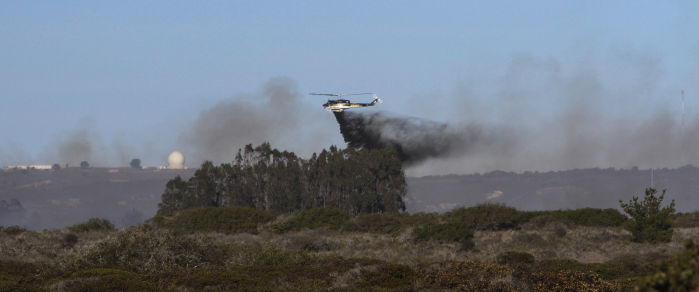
column 175, row 160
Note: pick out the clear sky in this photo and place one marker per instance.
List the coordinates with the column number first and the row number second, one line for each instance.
column 142, row 70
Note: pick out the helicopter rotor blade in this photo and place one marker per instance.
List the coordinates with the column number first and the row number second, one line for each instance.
column 326, row 94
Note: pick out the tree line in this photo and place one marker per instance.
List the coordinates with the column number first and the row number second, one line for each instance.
column 352, row 180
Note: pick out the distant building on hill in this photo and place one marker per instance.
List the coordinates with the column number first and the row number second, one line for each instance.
column 30, row 166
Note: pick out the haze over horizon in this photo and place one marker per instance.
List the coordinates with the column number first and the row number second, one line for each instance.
column 548, row 85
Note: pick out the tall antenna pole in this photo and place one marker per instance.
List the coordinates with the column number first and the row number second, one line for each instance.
column 682, row 110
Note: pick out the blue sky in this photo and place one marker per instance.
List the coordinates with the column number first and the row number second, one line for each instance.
column 141, row 71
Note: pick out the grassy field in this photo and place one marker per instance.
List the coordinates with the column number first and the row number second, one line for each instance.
column 224, row 249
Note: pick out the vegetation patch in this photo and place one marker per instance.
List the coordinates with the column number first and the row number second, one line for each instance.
column 445, row 232
column 354, row 181
column 375, row 223
column 585, row 217
column 227, row 220
column 686, row 220
column 472, row 276
column 329, row 218
column 106, row 280
column 649, row 221
column 681, row 273
column 487, row 217
column 93, row 224
column 514, row 258
column 149, row 251
column 567, row 280
column 17, row 276
column 12, row 230
column 393, row 276
column 501, row 217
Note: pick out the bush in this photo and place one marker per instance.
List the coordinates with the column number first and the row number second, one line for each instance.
column 623, row 269
column 451, row 231
column 586, row 216
column 649, row 222
column 16, row 276
column 567, row 280
column 487, row 217
column 69, row 240
column 153, row 251
column 472, row 276
column 393, row 276
column 686, row 220
column 220, row 278
column 217, row 219
column 12, row 230
column 310, row 241
column 375, row 223
column 107, row 280
column 514, row 258
column 329, row 218
column 93, row 224
column 679, row 274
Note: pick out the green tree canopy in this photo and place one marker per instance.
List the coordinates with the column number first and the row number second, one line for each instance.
column 351, row 180
column 649, row 221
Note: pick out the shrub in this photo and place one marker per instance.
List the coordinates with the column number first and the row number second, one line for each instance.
column 418, row 219
column 375, row 223
column 649, row 222
column 69, row 240
column 314, row 218
column 472, row 276
column 93, row 224
column 218, row 219
column 588, row 217
column 514, row 258
column 311, row 240
column 140, row 251
column 393, row 276
column 107, row 280
column 487, row 217
column 623, row 270
column 679, row 274
column 16, row 276
column 12, row 230
column 686, row 220
column 220, row 278
column 567, row 280
column 451, row 231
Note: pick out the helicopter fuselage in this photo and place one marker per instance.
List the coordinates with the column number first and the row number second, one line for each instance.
column 338, row 105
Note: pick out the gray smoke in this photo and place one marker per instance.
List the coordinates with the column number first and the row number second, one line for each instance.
column 76, row 147
column 270, row 115
column 576, row 116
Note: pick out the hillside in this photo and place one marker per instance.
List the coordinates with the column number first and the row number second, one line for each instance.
column 55, row 199
column 125, row 196
column 595, row 188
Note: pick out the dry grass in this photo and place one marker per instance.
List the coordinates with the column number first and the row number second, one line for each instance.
column 156, row 248
column 583, row 244
column 43, row 246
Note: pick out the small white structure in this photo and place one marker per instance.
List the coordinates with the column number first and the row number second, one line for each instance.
column 175, row 160
column 31, row 166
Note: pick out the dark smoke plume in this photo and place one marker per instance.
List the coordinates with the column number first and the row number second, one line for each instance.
column 274, row 114
column 415, row 139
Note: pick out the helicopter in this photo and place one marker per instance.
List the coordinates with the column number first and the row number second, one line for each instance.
column 340, row 104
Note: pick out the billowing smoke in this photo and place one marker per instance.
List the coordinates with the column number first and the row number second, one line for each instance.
column 566, row 116
column 414, row 139
column 80, row 144
column 272, row 115
column 76, row 147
